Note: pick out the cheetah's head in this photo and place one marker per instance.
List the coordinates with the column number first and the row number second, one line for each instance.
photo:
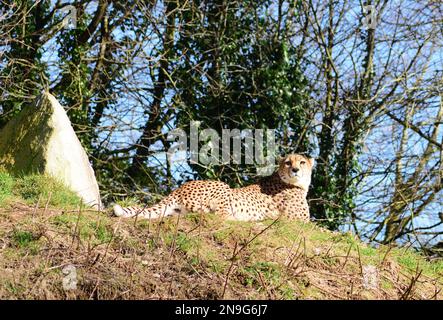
column 295, row 169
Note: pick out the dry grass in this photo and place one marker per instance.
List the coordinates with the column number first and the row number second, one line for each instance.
column 198, row 257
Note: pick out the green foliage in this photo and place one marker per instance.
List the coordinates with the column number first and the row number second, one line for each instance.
column 25, row 74
column 254, row 79
column 76, row 74
column 335, row 190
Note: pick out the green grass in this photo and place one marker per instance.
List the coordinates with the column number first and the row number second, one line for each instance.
column 22, row 238
column 97, row 231
column 103, row 233
column 268, row 270
column 197, row 256
column 181, row 242
column 36, row 188
column 25, row 241
column 411, row 260
column 6, row 186
column 195, row 253
column 14, row 289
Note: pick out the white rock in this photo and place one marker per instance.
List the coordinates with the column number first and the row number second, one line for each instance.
column 41, row 139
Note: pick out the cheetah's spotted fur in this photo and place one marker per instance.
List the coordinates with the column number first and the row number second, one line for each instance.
column 283, row 193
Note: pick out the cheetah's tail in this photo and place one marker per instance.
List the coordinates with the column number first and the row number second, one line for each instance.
column 129, row 212
column 119, row 211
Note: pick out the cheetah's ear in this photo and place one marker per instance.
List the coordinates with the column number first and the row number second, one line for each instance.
column 311, row 161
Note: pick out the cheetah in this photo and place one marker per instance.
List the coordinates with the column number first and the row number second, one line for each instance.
column 281, row 194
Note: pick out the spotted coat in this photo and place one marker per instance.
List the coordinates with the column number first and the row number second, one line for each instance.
column 281, row 194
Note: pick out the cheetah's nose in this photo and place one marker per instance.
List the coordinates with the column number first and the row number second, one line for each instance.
column 295, row 170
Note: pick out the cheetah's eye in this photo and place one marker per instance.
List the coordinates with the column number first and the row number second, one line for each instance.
column 302, row 162
column 288, row 163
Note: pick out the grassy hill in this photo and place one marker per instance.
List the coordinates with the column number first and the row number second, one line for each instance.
column 43, row 229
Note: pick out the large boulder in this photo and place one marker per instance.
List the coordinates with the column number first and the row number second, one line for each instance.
column 41, row 140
